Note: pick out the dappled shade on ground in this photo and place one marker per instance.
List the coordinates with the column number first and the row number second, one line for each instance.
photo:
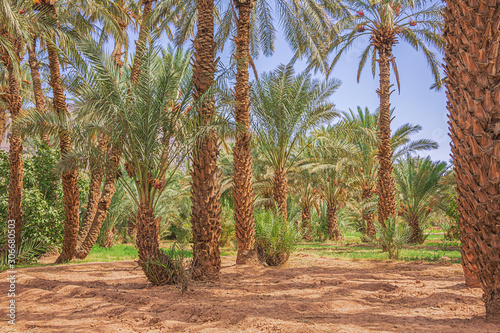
column 310, row 294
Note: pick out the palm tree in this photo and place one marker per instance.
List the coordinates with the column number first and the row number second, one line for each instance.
column 205, row 197
column 70, row 177
column 334, row 165
column 149, row 120
column 285, row 107
column 10, row 49
column 243, row 194
column 420, row 188
column 386, row 21
column 471, row 54
column 360, row 128
column 116, row 18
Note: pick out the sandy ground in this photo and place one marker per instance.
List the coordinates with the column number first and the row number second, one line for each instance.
column 309, row 294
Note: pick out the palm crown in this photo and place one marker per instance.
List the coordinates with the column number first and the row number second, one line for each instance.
column 386, row 21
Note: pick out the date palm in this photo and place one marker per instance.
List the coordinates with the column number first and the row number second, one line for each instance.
column 285, row 107
column 420, row 188
column 361, row 128
column 472, row 83
column 205, row 191
column 252, row 25
column 12, row 32
column 386, row 22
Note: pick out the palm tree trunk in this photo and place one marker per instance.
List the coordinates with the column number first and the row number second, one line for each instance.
column 140, row 44
column 306, row 223
column 385, row 185
column 471, row 56
column 417, row 236
column 3, row 123
column 92, row 204
column 331, row 218
column 242, row 154
column 15, row 202
column 102, row 207
column 157, row 266
column 369, row 229
column 69, row 178
column 98, row 203
column 280, row 188
column 37, row 84
column 205, row 190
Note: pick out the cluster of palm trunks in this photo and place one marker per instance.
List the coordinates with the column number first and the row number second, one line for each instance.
column 473, row 82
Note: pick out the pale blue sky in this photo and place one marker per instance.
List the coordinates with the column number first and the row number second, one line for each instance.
column 416, row 104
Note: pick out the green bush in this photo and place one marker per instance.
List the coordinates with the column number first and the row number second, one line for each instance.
column 274, row 238
column 43, row 205
column 393, row 237
column 320, row 225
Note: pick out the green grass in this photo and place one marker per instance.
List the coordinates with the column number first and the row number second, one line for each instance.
column 434, row 248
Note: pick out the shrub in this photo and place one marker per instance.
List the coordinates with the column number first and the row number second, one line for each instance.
column 274, row 238
column 320, row 225
column 227, row 237
column 43, row 205
column 393, row 237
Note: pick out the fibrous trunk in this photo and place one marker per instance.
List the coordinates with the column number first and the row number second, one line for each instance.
column 331, row 218
column 417, row 235
column 242, row 153
column 280, row 188
column 140, row 44
column 155, row 263
column 368, row 225
column 306, row 223
column 385, row 184
column 98, row 203
column 473, row 72
column 102, row 206
column 205, row 189
column 15, row 210
column 37, row 84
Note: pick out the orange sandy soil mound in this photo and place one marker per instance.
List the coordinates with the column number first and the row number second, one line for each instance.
column 310, row 294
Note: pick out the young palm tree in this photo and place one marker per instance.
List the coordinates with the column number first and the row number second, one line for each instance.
column 386, row 21
column 333, row 165
column 472, row 82
column 420, row 188
column 206, row 205
column 149, row 120
column 285, row 107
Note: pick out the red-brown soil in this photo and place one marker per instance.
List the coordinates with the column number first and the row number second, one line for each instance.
column 309, row 294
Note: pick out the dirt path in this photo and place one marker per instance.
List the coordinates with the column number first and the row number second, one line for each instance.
column 310, row 294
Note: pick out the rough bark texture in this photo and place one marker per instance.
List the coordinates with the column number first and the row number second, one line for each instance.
column 280, row 188
column 242, row 153
column 140, row 44
column 205, row 189
column 417, row 235
column 157, row 266
column 331, row 218
column 473, row 67
column 3, row 123
column 98, row 203
column 69, row 178
column 368, row 225
column 15, row 202
column 383, row 40
column 37, row 84
column 92, row 203
column 306, row 223
column 102, row 207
